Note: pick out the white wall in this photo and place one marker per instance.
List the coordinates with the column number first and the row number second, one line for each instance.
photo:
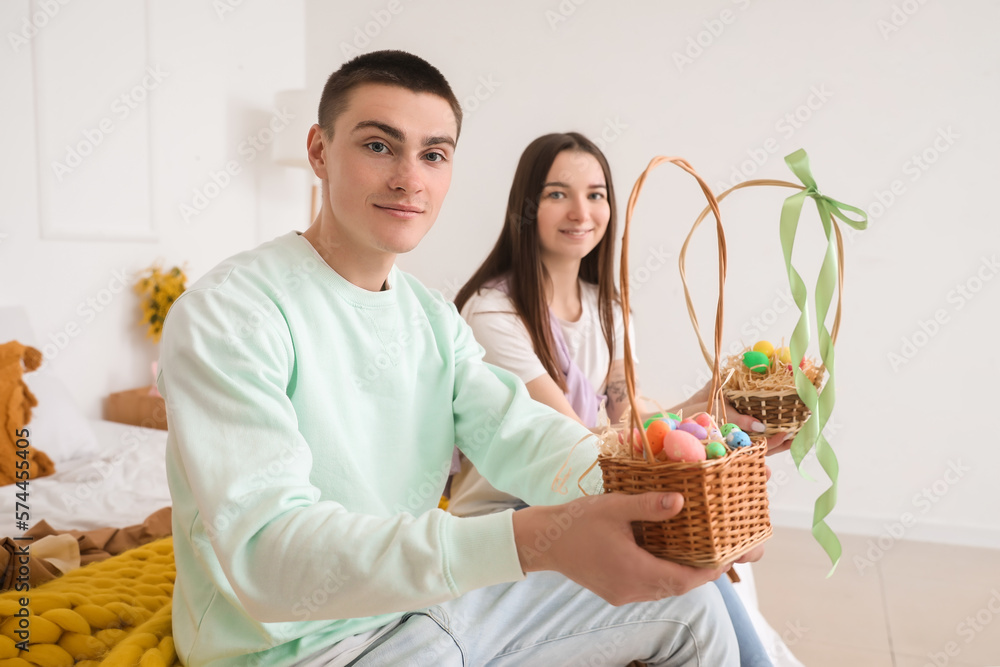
column 222, row 64
column 880, row 97
column 604, row 70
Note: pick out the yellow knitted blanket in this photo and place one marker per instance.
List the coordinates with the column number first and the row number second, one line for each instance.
column 113, row 613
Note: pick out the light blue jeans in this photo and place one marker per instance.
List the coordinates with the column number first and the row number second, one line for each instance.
column 752, row 652
column 549, row 620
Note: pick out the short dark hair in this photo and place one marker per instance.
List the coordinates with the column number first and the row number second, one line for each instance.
column 394, row 68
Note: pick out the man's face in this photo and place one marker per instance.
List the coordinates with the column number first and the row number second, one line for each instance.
column 387, row 168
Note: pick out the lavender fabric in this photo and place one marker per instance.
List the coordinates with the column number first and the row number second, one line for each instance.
column 581, row 395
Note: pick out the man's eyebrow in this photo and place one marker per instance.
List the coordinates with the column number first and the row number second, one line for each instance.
column 398, row 135
column 433, row 141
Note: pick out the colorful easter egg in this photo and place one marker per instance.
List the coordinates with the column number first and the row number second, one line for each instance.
column 729, row 428
column 658, row 415
column 715, row 450
column 676, row 418
column 703, row 419
column 715, row 434
column 758, row 362
column 692, row 427
column 738, row 439
column 682, row 446
column 784, row 355
column 764, row 347
column 655, row 433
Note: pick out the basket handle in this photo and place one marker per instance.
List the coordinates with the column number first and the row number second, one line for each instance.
column 683, row 258
column 635, row 419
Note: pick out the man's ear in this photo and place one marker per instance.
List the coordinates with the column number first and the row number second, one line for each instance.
column 317, row 142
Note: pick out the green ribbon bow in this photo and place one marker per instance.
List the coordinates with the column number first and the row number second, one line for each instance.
column 819, row 403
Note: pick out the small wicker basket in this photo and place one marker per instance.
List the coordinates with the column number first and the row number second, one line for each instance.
column 725, row 512
column 780, row 410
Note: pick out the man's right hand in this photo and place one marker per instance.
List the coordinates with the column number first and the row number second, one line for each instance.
column 590, row 541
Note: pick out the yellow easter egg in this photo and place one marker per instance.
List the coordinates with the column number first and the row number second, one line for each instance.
column 764, row 347
column 784, row 355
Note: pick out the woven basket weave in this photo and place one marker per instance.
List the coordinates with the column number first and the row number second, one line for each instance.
column 725, row 512
column 779, row 410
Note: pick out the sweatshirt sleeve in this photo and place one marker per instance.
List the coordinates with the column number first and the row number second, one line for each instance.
column 239, row 475
column 522, row 447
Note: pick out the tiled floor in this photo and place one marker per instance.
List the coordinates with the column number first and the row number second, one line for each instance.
column 892, row 603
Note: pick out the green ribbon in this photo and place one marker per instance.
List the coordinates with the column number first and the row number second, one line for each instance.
column 819, row 403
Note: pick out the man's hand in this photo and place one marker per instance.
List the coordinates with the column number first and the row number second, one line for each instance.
column 590, row 541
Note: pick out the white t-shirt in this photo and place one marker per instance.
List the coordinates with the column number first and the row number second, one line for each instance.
column 500, row 330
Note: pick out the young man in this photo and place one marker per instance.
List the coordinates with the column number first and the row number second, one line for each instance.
column 315, row 393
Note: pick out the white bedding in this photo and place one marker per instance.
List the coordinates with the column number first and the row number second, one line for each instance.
column 121, row 487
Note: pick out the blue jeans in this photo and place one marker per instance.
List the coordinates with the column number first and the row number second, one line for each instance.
column 549, row 620
column 752, row 653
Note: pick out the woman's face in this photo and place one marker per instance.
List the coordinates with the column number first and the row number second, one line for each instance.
column 573, row 210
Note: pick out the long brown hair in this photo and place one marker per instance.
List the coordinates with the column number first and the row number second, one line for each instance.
column 517, row 257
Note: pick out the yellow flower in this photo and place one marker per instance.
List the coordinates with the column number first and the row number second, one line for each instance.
column 158, row 290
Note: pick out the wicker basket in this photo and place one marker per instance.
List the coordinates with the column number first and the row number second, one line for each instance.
column 725, row 512
column 779, row 410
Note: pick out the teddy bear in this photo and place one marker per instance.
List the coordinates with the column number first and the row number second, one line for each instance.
column 16, row 401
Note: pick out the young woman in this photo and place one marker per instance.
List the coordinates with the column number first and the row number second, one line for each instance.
column 544, row 306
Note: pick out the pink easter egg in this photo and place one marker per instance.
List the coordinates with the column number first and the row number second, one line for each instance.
column 682, row 446
column 703, row 420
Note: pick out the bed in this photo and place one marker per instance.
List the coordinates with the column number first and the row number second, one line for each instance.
column 110, row 474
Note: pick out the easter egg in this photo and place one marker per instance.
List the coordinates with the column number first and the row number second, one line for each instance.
column 715, row 434
column 738, row 439
column 658, row 415
column 676, row 418
column 757, row 362
column 715, row 450
column 672, row 423
column 703, row 419
column 682, row 446
column 764, row 348
column 692, row 427
column 784, row 355
column 729, row 428
column 657, row 429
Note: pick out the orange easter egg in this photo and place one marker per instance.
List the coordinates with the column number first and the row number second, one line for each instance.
column 657, row 429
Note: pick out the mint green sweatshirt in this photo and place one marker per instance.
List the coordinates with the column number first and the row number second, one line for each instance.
column 311, row 425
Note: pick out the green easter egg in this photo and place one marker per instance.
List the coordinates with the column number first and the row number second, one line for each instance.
column 674, row 417
column 729, row 428
column 756, row 361
column 645, row 424
column 715, row 450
